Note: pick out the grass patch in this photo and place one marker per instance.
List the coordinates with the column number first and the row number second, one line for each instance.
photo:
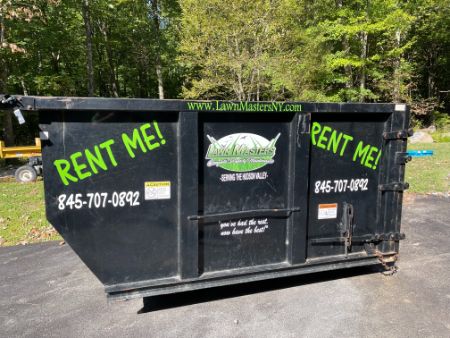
column 22, row 214
column 429, row 174
column 441, row 137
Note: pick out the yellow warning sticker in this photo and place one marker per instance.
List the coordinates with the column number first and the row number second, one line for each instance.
column 157, row 190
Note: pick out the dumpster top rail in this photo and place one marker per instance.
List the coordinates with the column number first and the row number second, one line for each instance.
column 31, row 103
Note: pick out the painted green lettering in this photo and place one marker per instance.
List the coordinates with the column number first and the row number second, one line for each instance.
column 79, row 167
column 148, row 138
column 316, row 127
column 323, row 138
column 369, row 159
column 95, row 160
column 361, row 152
column 334, row 141
column 274, row 106
column 63, row 167
column 107, row 145
column 377, row 159
column 347, row 138
column 133, row 143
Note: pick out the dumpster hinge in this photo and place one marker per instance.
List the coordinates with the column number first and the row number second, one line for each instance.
column 388, row 262
column 402, row 157
column 398, row 134
column 395, row 186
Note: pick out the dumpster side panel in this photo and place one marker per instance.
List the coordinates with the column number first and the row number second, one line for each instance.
column 111, row 190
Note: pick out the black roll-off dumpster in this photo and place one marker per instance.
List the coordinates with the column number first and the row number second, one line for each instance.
column 163, row 196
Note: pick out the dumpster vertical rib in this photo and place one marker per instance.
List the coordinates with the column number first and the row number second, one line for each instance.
column 393, row 172
column 401, row 121
column 389, row 196
column 300, row 140
column 188, row 194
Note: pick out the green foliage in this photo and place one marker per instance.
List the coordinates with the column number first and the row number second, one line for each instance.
column 325, row 50
column 52, row 42
column 441, row 120
column 441, row 137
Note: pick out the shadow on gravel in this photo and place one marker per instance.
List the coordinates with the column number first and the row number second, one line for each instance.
column 157, row 303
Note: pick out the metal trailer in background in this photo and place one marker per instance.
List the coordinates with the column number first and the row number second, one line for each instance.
column 30, row 171
column 164, row 196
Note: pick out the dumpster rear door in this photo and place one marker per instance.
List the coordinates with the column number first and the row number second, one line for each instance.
column 350, row 162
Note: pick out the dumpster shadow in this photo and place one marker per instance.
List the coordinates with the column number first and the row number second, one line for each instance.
column 156, row 303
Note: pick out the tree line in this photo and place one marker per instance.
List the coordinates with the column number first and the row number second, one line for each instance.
column 324, row 50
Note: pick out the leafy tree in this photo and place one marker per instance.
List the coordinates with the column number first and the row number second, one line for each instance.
column 324, row 50
column 430, row 55
column 14, row 18
column 228, row 46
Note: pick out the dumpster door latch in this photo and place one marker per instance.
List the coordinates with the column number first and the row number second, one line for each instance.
column 347, row 227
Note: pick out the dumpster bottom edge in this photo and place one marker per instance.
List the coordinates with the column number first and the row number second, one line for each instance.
column 197, row 284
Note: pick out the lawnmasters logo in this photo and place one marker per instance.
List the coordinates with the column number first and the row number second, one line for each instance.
column 241, row 152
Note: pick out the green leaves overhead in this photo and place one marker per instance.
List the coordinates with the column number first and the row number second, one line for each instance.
column 326, row 50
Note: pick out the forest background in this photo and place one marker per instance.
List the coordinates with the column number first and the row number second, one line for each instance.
column 284, row 50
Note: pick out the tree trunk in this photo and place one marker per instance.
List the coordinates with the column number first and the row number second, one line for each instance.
column 396, row 91
column 89, row 58
column 430, row 75
column 346, row 45
column 24, row 87
column 7, row 116
column 159, row 76
column 9, row 135
column 347, row 68
column 158, row 64
column 257, row 85
column 112, row 73
column 113, row 85
column 2, row 26
column 362, row 81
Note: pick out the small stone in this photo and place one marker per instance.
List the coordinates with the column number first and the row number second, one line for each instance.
column 421, row 137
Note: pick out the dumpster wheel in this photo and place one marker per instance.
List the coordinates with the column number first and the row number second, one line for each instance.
column 25, row 174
